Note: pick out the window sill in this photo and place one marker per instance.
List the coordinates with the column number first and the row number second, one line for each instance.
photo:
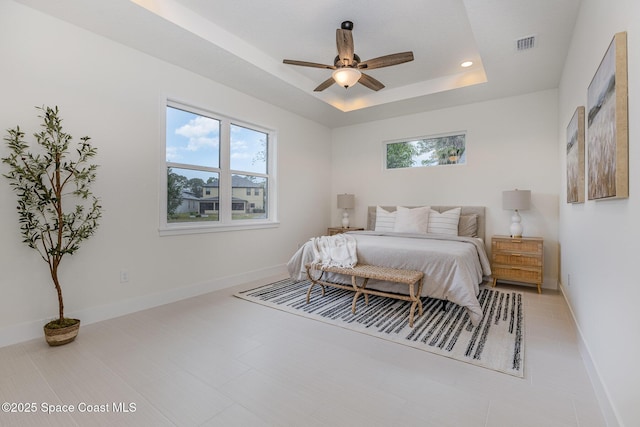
column 177, row 230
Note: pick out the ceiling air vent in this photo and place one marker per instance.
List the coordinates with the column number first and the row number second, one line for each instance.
column 525, row 43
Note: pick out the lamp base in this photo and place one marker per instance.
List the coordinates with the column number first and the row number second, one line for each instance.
column 516, row 225
column 345, row 219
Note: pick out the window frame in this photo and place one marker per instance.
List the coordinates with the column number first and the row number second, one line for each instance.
column 225, row 221
column 385, row 144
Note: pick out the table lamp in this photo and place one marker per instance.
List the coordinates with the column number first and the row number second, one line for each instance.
column 346, row 201
column 516, row 200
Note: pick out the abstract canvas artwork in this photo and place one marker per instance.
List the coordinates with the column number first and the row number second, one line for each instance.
column 575, row 157
column 607, row 128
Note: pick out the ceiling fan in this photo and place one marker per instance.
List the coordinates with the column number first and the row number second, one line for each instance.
column 347, row 64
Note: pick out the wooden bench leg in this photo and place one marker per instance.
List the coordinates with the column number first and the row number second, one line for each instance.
column 416, row 301
column 419, row 294
column 314, row 282
column 311, row 287
column 360, row 290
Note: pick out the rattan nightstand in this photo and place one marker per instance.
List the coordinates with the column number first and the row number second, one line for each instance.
column 517, row 259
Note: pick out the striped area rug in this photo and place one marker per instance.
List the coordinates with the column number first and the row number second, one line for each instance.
column 496, row 343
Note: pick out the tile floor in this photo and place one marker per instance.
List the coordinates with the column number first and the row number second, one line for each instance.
column 216, row 360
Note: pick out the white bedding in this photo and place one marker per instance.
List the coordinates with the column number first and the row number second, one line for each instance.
column 454, row 266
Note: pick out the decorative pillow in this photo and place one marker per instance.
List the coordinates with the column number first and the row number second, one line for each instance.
column 445, row 222
column 384, row 220
column 468, row 225
column 413, row 220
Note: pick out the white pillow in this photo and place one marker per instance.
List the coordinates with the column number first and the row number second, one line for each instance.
column 384, row 220
column 445, row 222
column 413, row 220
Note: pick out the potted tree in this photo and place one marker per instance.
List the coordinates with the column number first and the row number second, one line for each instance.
column 56, row 209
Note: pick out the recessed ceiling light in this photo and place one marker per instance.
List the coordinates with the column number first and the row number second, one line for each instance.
column 466, row 64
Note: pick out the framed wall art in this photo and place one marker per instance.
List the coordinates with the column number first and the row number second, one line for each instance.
column 575, row 157
column 607, row 125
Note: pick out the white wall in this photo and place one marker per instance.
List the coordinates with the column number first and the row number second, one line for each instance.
column 115, row 95
column 511, row 143
column 601, row 240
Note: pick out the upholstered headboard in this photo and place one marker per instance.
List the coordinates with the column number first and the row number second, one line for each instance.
column 466, row 210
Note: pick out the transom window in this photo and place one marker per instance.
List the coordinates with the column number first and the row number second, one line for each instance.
column 219, row 171
column 435, row 150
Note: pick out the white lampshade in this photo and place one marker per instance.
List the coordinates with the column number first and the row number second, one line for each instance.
column 516, row 200
column 346, row 76
column 346, row 201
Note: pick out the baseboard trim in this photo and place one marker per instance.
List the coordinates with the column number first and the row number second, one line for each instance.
column 31, row 330
column 602, row 394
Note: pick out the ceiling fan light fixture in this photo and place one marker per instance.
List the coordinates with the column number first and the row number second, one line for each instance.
column 347, row 64
column 346, row 76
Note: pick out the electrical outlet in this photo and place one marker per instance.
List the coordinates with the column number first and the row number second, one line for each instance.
column 124, row 276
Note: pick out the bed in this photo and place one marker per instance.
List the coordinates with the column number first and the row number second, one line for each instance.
column 448, row 247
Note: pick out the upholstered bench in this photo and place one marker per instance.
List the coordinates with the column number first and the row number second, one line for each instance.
column 366, row 272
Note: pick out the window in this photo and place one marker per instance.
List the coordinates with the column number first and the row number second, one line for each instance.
column 428, row 151
column 218, row 172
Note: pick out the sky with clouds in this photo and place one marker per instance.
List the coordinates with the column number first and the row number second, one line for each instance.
column 195, row 140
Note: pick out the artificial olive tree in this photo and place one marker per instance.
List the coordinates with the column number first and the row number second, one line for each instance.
column 56, row 209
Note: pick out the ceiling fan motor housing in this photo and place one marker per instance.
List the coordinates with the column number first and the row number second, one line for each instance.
column 347, row 25
column 337, row 62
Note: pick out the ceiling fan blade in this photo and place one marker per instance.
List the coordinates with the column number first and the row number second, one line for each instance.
column 308, row 64
column 387, row 60
column 370, row 82
column 325, row 84
column 344, row 42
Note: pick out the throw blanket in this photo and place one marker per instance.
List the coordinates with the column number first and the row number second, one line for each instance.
column 335, row 251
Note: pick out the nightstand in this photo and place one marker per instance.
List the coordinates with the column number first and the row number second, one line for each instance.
column 518, row 259
column 337, row 230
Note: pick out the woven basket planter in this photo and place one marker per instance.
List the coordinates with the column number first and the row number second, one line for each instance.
column 61, row 336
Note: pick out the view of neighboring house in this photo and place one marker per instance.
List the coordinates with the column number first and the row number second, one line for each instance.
column 247, row 197
column 189, row 203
